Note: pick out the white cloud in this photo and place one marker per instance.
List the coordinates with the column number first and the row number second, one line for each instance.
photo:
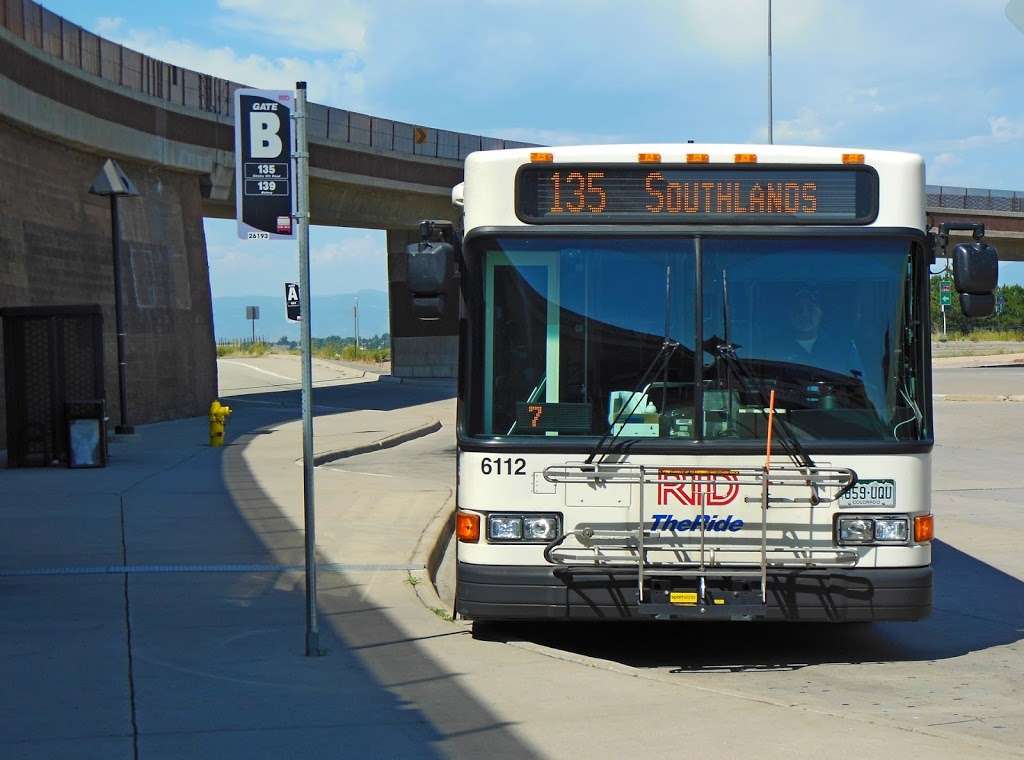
column 353, row 248
column 807, row 128
column 336, row 81
column 1002, row 130
column 541, row 136
column 315, row 25
column 106, row 25
column 738, row 29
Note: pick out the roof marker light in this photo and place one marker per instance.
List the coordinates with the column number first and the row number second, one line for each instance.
column 648, row 158
column 697, row 158
column 542, row 158
column 745, row 158
column 853, row 158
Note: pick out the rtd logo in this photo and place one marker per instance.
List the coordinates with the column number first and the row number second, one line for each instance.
column 712, row 488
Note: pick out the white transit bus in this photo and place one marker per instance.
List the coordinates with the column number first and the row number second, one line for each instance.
column 694, row 380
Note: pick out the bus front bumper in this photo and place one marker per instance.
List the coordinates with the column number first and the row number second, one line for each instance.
column 488, row 592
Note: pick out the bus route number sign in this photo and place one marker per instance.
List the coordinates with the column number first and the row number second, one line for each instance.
column 687, row 194
column 265, row 195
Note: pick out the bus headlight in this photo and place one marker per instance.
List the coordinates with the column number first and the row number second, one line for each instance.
column 855, row 530
column 543, row 528
column 523, row 528
column 891, row 529
column 504, row 528
column 862, row 530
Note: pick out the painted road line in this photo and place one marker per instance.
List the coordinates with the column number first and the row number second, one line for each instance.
column 259, row 369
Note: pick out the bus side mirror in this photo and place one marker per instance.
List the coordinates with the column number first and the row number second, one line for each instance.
column 977, row 304
column 975, row 276
column 428, row 268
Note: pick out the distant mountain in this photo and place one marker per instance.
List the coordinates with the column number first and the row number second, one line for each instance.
column 332, row 315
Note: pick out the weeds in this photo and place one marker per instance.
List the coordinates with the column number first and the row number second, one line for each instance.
column 239, row 348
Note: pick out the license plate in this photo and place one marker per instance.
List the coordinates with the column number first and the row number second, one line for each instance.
column 870, row 493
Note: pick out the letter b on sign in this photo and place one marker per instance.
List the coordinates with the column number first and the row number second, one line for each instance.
column 264, row 134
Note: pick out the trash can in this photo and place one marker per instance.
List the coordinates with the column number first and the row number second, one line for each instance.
column 86, row 425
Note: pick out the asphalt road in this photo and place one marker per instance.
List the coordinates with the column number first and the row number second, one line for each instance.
column 957, row 673
column 945, row 687
column 1003, row 380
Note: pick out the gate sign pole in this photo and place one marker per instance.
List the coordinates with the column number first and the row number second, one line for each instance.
column 264, row 185
column 302, row 221
column 292, row 307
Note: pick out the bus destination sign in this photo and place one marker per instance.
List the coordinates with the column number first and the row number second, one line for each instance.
column 672, row 194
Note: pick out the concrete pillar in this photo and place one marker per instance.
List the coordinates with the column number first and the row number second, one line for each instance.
column 419, row 349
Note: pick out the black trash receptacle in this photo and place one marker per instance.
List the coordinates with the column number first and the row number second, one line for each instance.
column 86, row 425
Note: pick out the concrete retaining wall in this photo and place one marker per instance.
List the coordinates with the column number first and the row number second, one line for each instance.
column 55, row 248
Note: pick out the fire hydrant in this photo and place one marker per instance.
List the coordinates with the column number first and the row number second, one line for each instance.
column 218, row 418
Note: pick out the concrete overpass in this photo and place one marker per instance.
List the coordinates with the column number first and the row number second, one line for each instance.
column 71, row 98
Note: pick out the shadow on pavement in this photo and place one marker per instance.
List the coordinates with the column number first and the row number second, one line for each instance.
column 377, row 693
column 976, row 607
column 334, row 397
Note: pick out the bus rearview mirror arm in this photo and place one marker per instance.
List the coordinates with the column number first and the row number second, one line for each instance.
column 975, row 267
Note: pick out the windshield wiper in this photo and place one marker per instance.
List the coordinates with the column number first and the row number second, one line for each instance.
column 660, row 361
column 789, row 440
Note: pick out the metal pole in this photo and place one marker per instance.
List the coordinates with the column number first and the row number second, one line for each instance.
column 302, row 220
column 253, row 330
column 943, row 320
column 771, row 137
column 122, row 364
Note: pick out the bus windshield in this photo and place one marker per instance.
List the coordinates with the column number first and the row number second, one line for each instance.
column 574, row 330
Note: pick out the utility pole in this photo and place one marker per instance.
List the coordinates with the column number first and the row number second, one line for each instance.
column 355, row 324
column 771, row 136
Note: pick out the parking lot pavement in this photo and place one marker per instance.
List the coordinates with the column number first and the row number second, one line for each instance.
column 956, row 674
column 153, row 612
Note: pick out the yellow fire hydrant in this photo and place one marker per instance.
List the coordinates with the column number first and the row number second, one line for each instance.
column 218, row 417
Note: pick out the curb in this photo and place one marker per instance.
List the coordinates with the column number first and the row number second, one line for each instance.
column 432, row 382
column 968, row 397
column 430, row 551
column 383, row 443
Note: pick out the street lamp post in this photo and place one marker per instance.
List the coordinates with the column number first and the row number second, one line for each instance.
column 771, row 135
column 113, row 182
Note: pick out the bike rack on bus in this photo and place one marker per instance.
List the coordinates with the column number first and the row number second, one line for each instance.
column 822, row 484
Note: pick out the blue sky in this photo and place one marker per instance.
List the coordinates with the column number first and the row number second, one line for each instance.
column 941, row 79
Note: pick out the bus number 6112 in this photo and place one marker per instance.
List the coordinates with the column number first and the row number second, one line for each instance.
column 503, row 466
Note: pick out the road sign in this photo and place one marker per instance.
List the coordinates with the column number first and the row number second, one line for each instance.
column 946, row 286
column 419, row 135
column 292, row 308
column 945, row 298
column 264, row 179
column 252, row 312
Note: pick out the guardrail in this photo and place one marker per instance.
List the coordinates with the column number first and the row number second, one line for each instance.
column 975, row 199
column 128, row 68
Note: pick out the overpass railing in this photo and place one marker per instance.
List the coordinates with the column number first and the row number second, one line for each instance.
column 975, row 199
column 128, row 68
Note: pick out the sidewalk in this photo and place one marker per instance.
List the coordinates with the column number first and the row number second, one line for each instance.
column 150, row 610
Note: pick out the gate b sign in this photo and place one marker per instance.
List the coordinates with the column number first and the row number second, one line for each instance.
column 264, row 176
